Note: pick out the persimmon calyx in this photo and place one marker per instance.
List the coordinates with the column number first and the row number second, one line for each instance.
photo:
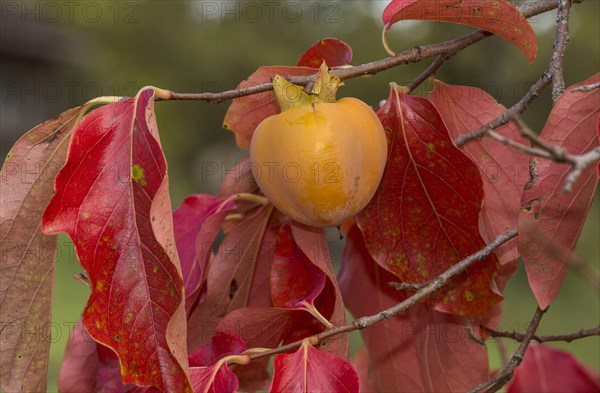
column 324, row 89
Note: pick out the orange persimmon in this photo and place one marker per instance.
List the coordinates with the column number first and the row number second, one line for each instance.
column 319, row 161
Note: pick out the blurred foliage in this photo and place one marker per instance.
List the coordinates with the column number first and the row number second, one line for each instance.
column 212, row 45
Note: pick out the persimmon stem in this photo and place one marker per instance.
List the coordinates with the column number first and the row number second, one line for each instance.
column 237, row 359
column 315, row 313
column 252, row 351
column 235, row 217
column 384, row 41
column 244, row 196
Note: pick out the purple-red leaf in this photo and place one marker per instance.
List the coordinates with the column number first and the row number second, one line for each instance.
column 28, row 256
column 294, row 278
column 91, row 367
column 217, row 378
column 313, row 243
column 550, row 220
column 415, row 351
column 245, row 113
column 219, row 346
column 196, row 223
column 496, row 16
column 547, row 370
column 112, row 200
column 424, row 217
column 505, row 172
column 230, row 276
column 333, row 52
column 310, row 370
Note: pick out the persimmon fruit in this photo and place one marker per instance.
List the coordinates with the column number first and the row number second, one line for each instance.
column 320, row 163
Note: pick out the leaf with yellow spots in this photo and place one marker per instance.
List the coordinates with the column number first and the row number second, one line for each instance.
column 418, row 350
column 28, row 256
column 117, row 178
column 424, row 217
column 550, row 220
column 499, row 17
column 466, row 108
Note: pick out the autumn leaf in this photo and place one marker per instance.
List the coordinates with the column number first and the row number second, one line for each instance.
column 112, row 200
column 424, row 217
column 79, row 369
column 496, row 16
column 414, row 351
column 219, row 346
column 88, row 366
column 333, row 52
column 259, row 327
column 550, row 221
column 239, row 179
column 361, row 362
column 28, row 256
column 294, row 279
column 196, row 223
column 311, row 370
column 463, row 109
column 313, row 244
column 230, row 275
column 545, row 369
column 217, row 378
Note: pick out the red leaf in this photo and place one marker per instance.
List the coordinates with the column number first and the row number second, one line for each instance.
column 550, row 220
column 424, row 217
column 239, row 179
column 364, row 285
column 214, row 379
column 361, row 363
column 28, row 257
column 219, row 346
column 91, row 367
column 245, row 113
column 294, row 278
column 416, row 351
column 112, row 200
column 313, row 243
column 598, row 128
column 545, row 369
column 192, row 217
column 80, row 365
column 310, row 370
column 496, row 16
column 334, row 52
column 505, row 172
column 259, row 327
column 230, row 276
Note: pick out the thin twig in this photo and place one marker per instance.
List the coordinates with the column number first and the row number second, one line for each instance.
column 429, row 71
column 560, row 44
column 500, row 379
column 518, row 146
column 412, row 55
column 427, row 290
column 582, row 162
column 583, row 333
column 510, row 113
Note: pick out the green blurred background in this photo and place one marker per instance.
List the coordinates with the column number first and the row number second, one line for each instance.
column 57, row 55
